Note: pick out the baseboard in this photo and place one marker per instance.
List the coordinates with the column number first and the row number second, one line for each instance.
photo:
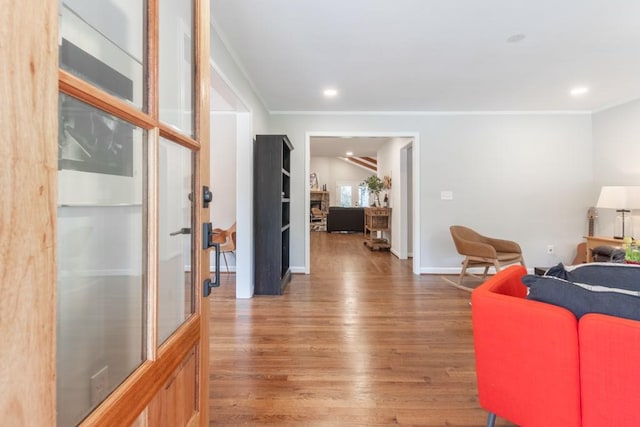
column 223, row 269
column 298, row 270
column 63, row 274
column 212, row 268
column 451, row 270
column 456, row 270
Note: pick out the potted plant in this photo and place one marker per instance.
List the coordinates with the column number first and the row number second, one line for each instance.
column 375, row 185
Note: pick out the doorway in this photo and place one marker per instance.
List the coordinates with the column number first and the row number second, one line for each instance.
column 231, row 175
column 406, row 190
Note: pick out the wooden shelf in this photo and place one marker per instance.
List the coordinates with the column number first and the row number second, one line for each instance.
column 272, row 186
column 377, row 220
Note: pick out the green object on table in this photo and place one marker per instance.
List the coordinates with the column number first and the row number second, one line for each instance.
column 632, row 253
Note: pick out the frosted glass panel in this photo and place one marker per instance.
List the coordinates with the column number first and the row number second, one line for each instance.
column 175, row 289
column 100, row 228
column 102, row 43
column 176, row 64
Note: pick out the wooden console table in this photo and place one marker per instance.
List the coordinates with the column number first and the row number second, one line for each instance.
column 595, row 241
column 377, row 219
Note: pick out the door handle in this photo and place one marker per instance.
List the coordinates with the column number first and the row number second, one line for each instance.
column 183, row 230
column 208, row 284
column 207, row 242
column 209, row 236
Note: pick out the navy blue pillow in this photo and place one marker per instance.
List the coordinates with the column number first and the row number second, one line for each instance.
column 557, row 271
column 613, row 275
column 581, row 298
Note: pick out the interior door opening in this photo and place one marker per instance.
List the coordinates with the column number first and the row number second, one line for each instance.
column 394, row 152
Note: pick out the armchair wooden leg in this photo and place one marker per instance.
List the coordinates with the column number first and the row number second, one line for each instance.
column 465, row 264
column 496, row 265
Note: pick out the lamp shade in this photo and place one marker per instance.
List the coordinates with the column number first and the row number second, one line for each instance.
column 619, row 197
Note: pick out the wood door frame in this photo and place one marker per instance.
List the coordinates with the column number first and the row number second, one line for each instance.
column 28, row 169
column 31, row 81
column 202, row 87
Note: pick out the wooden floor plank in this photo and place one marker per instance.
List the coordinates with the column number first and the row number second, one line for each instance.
column 361, row 341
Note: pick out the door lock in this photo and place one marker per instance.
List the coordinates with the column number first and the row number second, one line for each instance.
column 207, row 196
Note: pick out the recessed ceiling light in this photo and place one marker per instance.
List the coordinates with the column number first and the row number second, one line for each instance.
column 579, row 90
column 515, row 38
column 330, row 93
column 349, row 153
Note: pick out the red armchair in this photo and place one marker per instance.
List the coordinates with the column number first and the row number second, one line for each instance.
column 609, row 371
column 527, row 360
column 537, row 365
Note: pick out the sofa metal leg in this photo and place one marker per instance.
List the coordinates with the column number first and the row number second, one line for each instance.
column 491, row 420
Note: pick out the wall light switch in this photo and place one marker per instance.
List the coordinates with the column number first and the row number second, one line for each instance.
column 446, row 195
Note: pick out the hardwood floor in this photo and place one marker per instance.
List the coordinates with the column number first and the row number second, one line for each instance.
column 359, row 342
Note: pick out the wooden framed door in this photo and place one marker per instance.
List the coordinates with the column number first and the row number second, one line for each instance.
column 28, row 156
column 90, row 158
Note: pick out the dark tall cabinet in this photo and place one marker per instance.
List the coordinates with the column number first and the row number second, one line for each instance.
column 271, row 189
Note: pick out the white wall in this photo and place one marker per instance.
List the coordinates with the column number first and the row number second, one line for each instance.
column 237, row 80
column 616, row 148
column 223, row 175
column 331, row 170
column 255, row 121
column 526, row 177
column 389, row 160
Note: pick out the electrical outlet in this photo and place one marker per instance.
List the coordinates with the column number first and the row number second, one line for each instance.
column 99, row 385
column 551, row 250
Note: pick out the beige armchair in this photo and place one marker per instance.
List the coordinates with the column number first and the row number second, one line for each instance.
column 482, row 251
column 227, row 240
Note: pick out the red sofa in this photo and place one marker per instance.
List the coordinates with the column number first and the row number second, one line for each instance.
column 537, row 365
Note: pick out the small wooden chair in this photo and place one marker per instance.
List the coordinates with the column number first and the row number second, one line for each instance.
column 227, row 240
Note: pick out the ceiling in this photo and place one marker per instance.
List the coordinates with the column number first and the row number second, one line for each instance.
column 435, row 55
column 330, row 146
